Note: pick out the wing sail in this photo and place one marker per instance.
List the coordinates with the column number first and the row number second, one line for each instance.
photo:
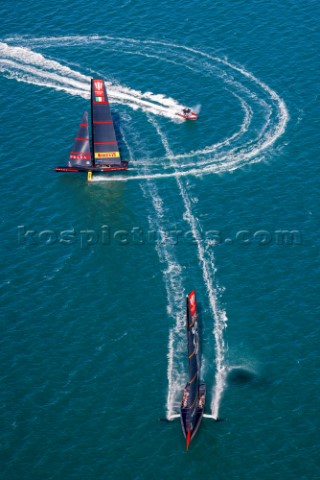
column 104, row 142
column 80, row 154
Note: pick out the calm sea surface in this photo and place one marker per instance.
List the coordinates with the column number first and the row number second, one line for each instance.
column 94, row 276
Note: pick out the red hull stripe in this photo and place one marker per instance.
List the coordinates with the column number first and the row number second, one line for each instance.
column 103, row 123
column 82, row 139
column 100, row 103
column 65, row 169
column 84, row 125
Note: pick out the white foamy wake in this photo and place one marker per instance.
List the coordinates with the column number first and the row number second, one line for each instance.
column 256, row 99
column 246, row 146
column 172, row 277
column 25, row 65
column 233, row 75
column 207, row 265
column 229, row 154
column 219, row 316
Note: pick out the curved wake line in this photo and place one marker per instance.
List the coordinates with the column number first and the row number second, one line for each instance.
column 241, row 70
column 23, row 64
column 239, row 157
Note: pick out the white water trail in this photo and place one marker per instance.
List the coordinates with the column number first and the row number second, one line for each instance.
column 172, row 276
column 208, row 272
column 25, row 65
column 228, row 166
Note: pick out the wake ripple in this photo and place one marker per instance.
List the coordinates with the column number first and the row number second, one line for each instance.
column 240, row 149
column 207, row 265
column 172, row 277
column 25, row 65
column 236, row 151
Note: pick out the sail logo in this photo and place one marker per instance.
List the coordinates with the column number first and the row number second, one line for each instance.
column 98, row 85
column 98, row 91
column 107, row 155
column 82, row 156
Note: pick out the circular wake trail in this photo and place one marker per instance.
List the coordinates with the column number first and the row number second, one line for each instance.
column 247, row 145
column 234, row 152
column 220, row 66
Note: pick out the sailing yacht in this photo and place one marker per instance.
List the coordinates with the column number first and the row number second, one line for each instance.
column 101, row 154
column 194, row 394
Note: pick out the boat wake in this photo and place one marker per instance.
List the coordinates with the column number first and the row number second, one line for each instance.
column 207, row 265
column 256, row 99
column 172, row 276
column 25, row 65
column 259, row 105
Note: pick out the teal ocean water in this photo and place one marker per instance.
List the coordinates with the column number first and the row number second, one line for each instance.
column 94, row 275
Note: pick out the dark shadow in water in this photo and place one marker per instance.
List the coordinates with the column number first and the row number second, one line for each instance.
column 241, row 376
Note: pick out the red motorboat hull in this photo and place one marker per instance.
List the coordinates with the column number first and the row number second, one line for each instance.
column 192, row 116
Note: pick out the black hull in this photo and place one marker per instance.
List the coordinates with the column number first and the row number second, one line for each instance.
column 197, row 417
column 96, row 168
